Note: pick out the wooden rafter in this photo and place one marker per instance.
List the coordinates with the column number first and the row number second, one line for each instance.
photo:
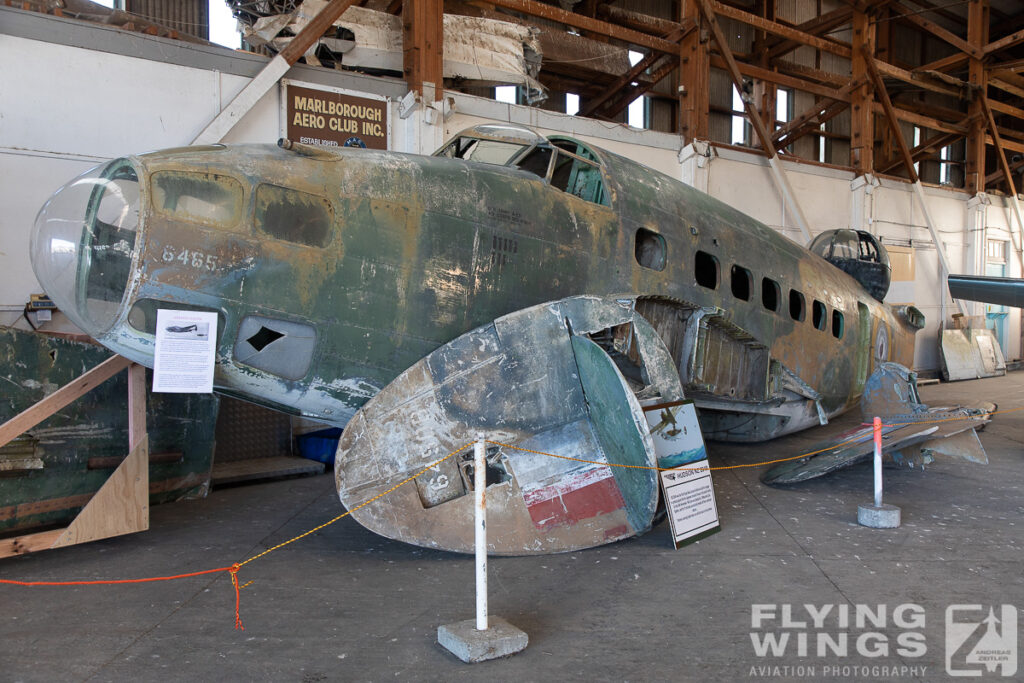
column 993, row 130
column 625, row 98
column 824, row 109
column 926, row 148
column 775, row 28
column 814, row 27
column 890, row 112
column 603, row 28
column 942, row 34
column 1014, row 38
column 643, row 65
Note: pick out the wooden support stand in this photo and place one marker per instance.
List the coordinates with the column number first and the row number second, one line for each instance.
column 121, row 506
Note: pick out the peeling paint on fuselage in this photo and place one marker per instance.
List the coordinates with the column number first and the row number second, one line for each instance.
column 423, row 249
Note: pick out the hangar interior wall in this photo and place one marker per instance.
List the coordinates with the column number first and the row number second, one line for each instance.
column 108, row 93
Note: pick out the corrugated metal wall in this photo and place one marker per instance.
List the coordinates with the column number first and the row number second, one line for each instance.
column 187, row 16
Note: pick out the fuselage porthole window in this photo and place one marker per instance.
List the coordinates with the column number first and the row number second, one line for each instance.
column 796, row 306
column 818, row 315
column 771, row 294
column 838, row 324
column 742, row 282
column 649, row 249
column 705, row 270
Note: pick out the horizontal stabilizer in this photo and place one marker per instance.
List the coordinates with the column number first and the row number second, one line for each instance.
column 561, row 378
column 912, row 433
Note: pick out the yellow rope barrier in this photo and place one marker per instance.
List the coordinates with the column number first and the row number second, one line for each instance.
column 233, row 569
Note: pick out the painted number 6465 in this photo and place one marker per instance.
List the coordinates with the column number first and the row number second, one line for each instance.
column 190, row 257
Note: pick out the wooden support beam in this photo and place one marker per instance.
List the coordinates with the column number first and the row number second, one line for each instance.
column 538, row 9
column 777, row 78
column 271, row 73
column 778, row 173
column 814, row 27
column 998, row 142
column 890, row 112
column 945, row 64
column 928, row 147
column 862, row 124
column 808, row 126
column 778, row 29
column 423, row 45
column 694, row 77
column 1007, row 81
column 931, row 27
column 30, row 417
column 1015, row 38
column 974, row 153
column 121, row 505
column 784, row 135
column 626, row 98
column 922, row 80
column 647, row 62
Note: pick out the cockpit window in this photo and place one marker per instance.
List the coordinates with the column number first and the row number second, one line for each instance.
column 205, row 198
column 485, row 151
column 578, row 176
column 294, row 216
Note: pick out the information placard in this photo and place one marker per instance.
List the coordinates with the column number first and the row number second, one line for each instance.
column 185, row 351
column 687, row 488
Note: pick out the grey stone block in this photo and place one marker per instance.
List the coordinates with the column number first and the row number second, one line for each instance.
column 470, row 645
column 881, row 517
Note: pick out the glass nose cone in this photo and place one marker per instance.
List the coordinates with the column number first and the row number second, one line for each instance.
column 83, row 241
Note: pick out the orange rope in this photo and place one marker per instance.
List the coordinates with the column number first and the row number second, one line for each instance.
column 97, row 583
column 233, row 569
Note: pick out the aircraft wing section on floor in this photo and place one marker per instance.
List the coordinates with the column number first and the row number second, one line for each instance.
column 912, row 433
column 565, row 378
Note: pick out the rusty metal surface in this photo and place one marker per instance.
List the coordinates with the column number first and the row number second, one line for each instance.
column 545, row 379
column 423, row 249
column 913, row 433
column 402, row 254
column 45, row 477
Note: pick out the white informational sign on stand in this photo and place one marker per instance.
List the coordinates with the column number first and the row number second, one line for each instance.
column 185, row 350
column 687, row 487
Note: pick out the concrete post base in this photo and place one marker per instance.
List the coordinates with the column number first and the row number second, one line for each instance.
column 881, row 517
column 463, row 640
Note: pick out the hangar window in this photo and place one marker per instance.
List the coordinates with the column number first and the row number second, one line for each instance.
column 771, row 294
column 796, row 305
column 206, row 198
column 742, row 282
column 293, row 216
column 650, row 249
column 838, row 324
column 705, row 270
column 818, row 315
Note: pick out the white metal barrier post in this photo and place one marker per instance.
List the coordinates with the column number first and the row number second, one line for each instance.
column 484, row 638
column 480, row 496
column 879, row 515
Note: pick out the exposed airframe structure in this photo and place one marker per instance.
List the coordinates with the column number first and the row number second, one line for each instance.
column 337, row 272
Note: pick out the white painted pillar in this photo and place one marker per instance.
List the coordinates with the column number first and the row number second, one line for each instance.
column 421, row 120
column 862, row 202
column 974, row 260
column 695, row 164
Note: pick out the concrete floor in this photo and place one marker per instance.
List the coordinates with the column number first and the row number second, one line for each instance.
column 345, row 604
